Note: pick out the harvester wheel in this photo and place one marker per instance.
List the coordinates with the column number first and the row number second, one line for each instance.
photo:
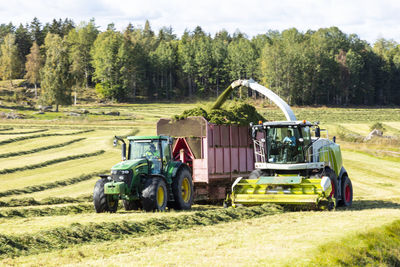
column 347, row 192
column 334, row 183
column 101, row 201
column 155, row 195
column 182, row 188
column 131, row 205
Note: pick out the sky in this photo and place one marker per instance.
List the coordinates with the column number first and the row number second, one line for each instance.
column 369, row 19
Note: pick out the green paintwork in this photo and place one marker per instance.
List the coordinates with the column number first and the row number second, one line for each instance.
column 115, row 188
column 279, row 180
column 171, row 170
column 334, row 156
column 128, row 164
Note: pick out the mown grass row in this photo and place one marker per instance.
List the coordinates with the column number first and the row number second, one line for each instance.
column 46, row 186
column 51, row 162
column 36, row 131
column 39, row 149
column 378, row 247
column 29, row 201
column 48, row 211
column 6, row 129
column 62, row 237
column 21, row 138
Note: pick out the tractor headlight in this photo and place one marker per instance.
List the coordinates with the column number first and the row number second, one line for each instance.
column 325, row 183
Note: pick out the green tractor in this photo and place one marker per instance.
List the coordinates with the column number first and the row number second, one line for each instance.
column 147, row 178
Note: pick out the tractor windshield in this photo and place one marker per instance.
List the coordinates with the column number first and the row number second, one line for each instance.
column 149, row 149
column 286, row 144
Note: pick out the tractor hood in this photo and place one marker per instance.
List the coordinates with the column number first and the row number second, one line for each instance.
column 128, row 164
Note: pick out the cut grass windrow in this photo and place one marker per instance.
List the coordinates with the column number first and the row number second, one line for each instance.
column 377, row 247
column 47, row 211
column 36, row 131
column 62, row 237
column 29, row 201
column 20, row 138
column 6, row 129
column 51, row 162
column 46, row 186
column 39, row 149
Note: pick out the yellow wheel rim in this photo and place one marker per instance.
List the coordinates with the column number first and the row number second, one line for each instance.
column 186, row 189
column 160, row 196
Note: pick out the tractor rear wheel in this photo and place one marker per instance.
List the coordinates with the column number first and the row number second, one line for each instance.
column 101, row 201
column 182, row 188
column 154, row 195
column 347, row 192
column 131, row 205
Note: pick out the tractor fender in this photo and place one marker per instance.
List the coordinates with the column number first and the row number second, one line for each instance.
column 173, row 169
column 342, row 173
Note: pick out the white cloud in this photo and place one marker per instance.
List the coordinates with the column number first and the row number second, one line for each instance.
column 369, row 19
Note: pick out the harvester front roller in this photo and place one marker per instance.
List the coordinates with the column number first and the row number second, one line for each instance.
column 283, row 190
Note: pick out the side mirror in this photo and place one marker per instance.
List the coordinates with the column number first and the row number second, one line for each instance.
column 170, row 141
column 317, row 132
column 334, row 139
column 123, row 150
column 115, row 142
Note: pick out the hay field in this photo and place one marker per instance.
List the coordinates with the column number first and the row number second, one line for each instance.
column 50, row 162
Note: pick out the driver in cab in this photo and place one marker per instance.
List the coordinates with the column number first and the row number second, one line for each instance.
column 152, row 153
column 290, row 139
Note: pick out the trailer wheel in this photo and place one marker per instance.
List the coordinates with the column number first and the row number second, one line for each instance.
column 347, row 192
column 182, row 188
column 155, row 195
column 334, row 183
column 101, row 201
column 131, row 205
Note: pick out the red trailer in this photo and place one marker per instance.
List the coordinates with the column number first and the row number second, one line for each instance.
column 217, row 154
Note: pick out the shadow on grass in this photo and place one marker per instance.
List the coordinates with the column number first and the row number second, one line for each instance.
column 372, row 204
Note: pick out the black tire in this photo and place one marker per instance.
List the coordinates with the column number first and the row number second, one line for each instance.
column 101, row 201
column 131, row 205
column 347, row 192
column 255, row 174
column 334, row 182
column 151, row 201
column 182, row 189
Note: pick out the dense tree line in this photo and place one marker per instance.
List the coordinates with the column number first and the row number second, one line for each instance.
column 325, row 66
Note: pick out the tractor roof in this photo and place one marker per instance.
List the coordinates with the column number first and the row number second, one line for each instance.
column 151, row 137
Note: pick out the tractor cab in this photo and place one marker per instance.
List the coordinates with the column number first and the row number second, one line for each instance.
column 282, row 142
column 156, row 149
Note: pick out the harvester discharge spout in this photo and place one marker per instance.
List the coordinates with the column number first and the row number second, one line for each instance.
column 289, row 114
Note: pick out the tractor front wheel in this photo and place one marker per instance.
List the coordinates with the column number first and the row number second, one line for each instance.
column 154, row 195
column 182, row 188
column 101, row 201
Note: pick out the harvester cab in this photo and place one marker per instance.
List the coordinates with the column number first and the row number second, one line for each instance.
column 147, row 178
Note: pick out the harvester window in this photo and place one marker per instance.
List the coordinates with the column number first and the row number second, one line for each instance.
column 283, row 145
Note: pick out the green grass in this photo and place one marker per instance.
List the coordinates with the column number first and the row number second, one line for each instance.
column 377, row 247
column 62, row 237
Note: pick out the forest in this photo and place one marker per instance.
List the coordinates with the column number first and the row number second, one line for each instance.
column 322, row 67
